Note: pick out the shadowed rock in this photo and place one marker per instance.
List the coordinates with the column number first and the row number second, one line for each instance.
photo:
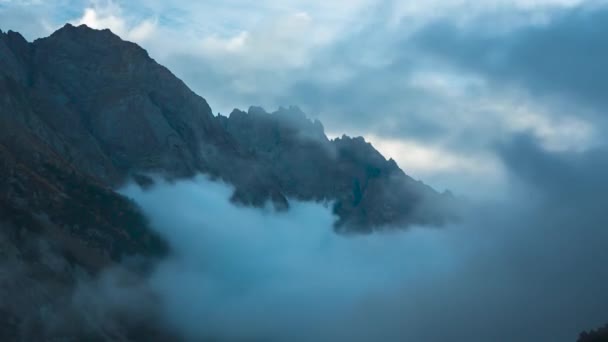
column 82, row 112
column 598, row 335
column 112, row 113
column 368, row 190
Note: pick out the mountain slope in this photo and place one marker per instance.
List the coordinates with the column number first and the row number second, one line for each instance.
column 82, row 112
column 112, row 112
column 39, row 176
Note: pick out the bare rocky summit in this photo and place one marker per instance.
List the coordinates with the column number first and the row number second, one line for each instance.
column 111, row 113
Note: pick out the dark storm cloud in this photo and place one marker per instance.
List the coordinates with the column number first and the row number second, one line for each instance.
column 569, row 178
column 564, row 57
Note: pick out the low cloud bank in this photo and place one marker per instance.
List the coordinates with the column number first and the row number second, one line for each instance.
column 528, row 268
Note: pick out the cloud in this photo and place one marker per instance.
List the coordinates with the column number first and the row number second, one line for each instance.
column 459, row 75
column 527, row 266
column 110, row 16
column 476, row 175
column 31, row 19
column 562, row 57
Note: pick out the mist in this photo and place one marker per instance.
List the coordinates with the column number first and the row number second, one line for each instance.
column 529, row 266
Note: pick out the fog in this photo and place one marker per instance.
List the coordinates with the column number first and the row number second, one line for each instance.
column 528, row 268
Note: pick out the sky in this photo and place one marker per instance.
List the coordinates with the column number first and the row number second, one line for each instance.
column 436, row 85
column 502, row 102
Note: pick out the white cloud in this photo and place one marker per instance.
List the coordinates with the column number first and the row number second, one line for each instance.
column 110, row 16
column 282, row 43
column 241, row 273
column 422, row 159
column 476, row 175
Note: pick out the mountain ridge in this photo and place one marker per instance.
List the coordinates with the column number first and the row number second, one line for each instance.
column 106, row 105
column 82, row 112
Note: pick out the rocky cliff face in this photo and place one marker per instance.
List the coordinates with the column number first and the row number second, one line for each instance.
column 82, row 112
column 367, row 189
column 104, row 104
column 111, row 112
column 56, row 179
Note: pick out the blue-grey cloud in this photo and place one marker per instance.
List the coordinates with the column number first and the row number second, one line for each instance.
column 564, row 57
column 526, row 268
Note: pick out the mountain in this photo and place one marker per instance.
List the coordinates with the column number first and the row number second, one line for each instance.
column 367, row 189
column 598, row 335
column 83, row 112
column 109, row 111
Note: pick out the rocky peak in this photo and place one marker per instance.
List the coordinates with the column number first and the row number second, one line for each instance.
column 295, row 117
column 14, row 51
column 368, row 190
column 82, row 112
column 112, row 112
column 289, row 122
column 98, row 56
column 359, row 150
column 292, row 114
column 14, row 40
column 97, row 43
column 88, row 36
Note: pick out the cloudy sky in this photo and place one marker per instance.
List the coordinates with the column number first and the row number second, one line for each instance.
column 436, row 85
column 499, row 100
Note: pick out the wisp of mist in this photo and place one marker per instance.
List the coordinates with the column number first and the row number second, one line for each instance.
column 250, row 274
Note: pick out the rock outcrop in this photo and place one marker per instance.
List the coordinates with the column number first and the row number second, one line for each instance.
column 368, row 190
